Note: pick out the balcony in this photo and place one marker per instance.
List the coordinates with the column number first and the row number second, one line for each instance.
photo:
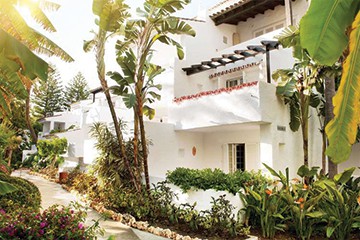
column 246, row 103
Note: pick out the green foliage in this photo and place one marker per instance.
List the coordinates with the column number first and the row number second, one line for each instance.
column 110, row 166
column 341, row 205
column 330, row 31
column 159, row 206
column 83, row 183
column 314, row 205
column 18, row 62
column 126, row 87
column 56, row 222
column 6, row 133
column 76, row 90
column 4, row 168
column 50, row 150
column 27, row 194
column 5, row 187
column 62, row 130
column 10, row 82
column 216, row 179
column 48, row 95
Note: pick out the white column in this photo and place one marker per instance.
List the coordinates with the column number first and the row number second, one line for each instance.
column 288, row 13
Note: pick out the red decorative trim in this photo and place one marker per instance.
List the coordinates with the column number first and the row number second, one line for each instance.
column 217, row 74
column 214, row 92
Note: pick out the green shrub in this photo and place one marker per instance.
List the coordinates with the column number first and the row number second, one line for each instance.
column 84, row 183
column 215, row 179
column 27, row 194
column 307, row 206
column 50, row 150
column 56, row 222
column 109, row 166
column 159, row 206
column 31, row 161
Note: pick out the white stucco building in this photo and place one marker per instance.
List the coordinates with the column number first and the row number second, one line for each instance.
column 219, row 107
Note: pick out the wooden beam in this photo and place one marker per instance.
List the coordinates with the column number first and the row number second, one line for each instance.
column 245, row 11
column 256, row 48
column 271, row 45
column 244, row 53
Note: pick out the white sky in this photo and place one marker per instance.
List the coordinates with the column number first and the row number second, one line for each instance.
column 74, row 21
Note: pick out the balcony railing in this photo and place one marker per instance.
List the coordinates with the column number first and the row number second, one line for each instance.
column 225, row 106
column 213, row 92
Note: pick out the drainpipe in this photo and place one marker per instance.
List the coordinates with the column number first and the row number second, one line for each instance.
column 288, row 13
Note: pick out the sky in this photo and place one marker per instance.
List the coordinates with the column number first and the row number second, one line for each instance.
column 74, row 22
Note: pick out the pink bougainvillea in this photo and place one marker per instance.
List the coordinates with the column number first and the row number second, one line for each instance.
column 213, row 92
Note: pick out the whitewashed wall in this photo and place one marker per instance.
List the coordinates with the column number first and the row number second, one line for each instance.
column 270, row 18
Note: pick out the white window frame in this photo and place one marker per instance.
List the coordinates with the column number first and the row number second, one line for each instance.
column 232, row 157
column 232, row 82
column 268, row 28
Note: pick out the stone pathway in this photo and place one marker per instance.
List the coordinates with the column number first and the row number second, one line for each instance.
column 53, row 193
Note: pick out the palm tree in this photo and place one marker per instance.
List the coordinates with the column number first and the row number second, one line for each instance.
column 111, row 15
column 19, row 67
column 156, row 23
column 331, row 30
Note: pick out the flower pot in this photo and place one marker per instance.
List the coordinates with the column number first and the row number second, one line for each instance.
column 63, row 176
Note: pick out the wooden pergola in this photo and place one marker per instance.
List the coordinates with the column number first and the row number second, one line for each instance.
column 252, row 50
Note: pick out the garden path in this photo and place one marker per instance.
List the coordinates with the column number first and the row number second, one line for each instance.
column 53, row 193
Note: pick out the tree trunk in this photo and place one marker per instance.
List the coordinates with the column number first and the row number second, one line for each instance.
column 140, row 115
column 144, row 148
column 136, row 146
column 100, row 53
column 27, row 118
column 9, row 156
column 323, row 155
column 304, row 101
column 329, row 114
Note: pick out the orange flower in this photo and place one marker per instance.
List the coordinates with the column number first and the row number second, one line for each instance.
column 301, row 206
column 306, row 187
column 268, row 191
column 300, row 201
column 358, row 199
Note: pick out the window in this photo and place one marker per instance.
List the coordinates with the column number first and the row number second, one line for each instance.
column 278, row 26
column 270, row 29
column 225, row 40
column 236, row 157
column 259, row 33
column 267, row 29
column 234, row 82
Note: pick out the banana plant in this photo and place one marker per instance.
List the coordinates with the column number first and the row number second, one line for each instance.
column 110, row 15
column 298, row 86
column 330, row 31
column 126, row 88
column 155, row 24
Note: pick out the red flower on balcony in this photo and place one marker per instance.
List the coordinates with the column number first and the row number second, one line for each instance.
column 214, row 92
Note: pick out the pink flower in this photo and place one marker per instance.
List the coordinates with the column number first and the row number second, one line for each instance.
column 80, row 226
column 43, row 224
